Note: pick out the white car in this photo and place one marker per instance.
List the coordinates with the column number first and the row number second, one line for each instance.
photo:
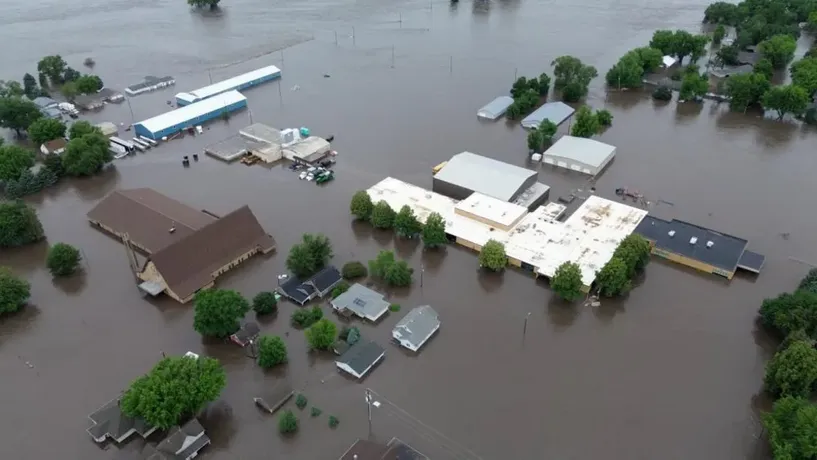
column 303, row 175
column 310, row 177
column 190, row 354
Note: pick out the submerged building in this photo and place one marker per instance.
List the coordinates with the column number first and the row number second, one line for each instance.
column 579, row 154
column 556, row 112
column 237, row 83
column 496, row 108
column 190, row 115
column 466, row 173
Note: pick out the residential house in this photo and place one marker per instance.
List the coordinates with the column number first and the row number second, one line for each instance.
column 362, row 302
column 360, row 358
column 181, row 443
column 194, row 262
column 246, row 334
column 89, row 101
column 414, row 330
column 317, row 286
column 393, row 450
column 44, row 102
column 54, row 147
column 111, row 423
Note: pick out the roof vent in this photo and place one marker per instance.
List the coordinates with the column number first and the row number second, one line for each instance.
column 671, row 233
column 709, row 244
column 693, row 240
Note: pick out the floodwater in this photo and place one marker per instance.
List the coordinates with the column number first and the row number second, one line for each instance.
column 673, row 371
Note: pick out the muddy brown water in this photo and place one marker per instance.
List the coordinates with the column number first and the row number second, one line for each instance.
column 672, row 371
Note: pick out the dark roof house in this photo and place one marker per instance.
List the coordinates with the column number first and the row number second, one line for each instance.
column 318, row 285
column 393, row 450
column 195, row 261
column 181, row 443
column 111, row 423
column 360, row 358
column 247, row 333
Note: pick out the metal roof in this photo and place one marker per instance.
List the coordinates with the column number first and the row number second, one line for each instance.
column 363, row 301
column 230, row 83
column 557, row 112
column 484, row 175
column 189, row 112
column 495, row 108
column 418, row 325
column 582, row 150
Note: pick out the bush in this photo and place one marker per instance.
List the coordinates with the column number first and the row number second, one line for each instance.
column 492, row 256
column 339, row 289
column 287, row 422
column 314, row 412
column 264, row 303
column 353, row 336
column 604, row 117
column 333, row 421
column 662, row 93
column 395, row 307
column 272, row 351
column 14, row 292
column 305, row 317
column 321, row 335
column 361, row 205
column 300, row 401
column 354, row 269
column 382, row 215
column 63, row 259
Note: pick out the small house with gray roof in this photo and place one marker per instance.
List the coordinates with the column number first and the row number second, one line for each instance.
column 360, row 358
column 181, row 443
column 361, row 302
column 414, row 330
column 111, row 423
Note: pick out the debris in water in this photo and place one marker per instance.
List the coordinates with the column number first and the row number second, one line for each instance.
column 326, row 75
column 31, row 366
column 785, row 235
column 296, row 88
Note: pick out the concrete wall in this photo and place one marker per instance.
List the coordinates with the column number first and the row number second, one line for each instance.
column 485, row 221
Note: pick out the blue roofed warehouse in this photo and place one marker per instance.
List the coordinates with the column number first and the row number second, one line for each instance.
column 190, row 115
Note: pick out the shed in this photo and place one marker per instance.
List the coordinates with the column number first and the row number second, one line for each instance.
column 55, row 146
column 556, row 112
column 246, row 334
column 579, row 154
column 360, row 358
column 414, row 330
column 495, row 108
column 181, row 443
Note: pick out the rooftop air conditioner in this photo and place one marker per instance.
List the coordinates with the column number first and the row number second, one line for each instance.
column 671, row 233
column 709, row 244
column 693, row 240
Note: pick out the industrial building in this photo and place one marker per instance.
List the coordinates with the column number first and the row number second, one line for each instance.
column 233, row 148
column 556, row 112
column 288, row 143
column 190, row 115
column 535, row 241
column 236, row 83
column 580, row 154
column 495, row 108
column 698, row 247
column 466, row 173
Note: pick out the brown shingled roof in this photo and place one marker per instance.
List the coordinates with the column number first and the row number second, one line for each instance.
column 188, row 264
column 147, row 217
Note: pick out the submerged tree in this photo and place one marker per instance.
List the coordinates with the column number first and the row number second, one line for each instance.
column 217, row 312
column 786, row 99
column 406, row 223
column 310, row 256
column 434, row 231
column 382, row 215
column 14, row 292
column 63, row 259
column 212, row 4
column 272, row 351
column 19, row 225
column 613, row 279
column 791, row 426
column 567, row 281
column 361, row 205
column 492, row 256
column 792, row 371
column 321, row 335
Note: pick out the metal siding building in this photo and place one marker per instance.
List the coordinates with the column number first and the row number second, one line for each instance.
column 495, row 108
column 236, row 83
column 557, row 112
column 466, row 173
column 579, row 154
column 176, row 120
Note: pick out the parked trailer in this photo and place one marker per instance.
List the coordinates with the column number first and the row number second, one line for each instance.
column 148, row 140
column 128, row 145
column 116, row 149
column 139, row 147
column 138, row 141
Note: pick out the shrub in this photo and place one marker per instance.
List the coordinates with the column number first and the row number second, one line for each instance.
column 14, row 292
column 333, row 421
column 264, row 303
column 492, row 256
column 382, row 215
column 272, row 351
column 321, row 335
column 314, row 412
column 301, row 401
column 63, row 259
column 353, row 336
column 305, row 317
column 395, row 307
column 354, row 269
column 662, row 93
column 339, row 289
column 287, row 422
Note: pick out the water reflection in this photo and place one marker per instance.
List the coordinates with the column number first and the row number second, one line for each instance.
column 687, row 112
column 489, row 281
column 97, row 187
column 71, row 285
column 624, row 100
column 562, row 314
column 220, row 424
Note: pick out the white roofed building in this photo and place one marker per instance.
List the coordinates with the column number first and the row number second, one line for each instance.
column 579, row 154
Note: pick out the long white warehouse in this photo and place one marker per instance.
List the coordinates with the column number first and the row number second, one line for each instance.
column 237, row 83
column 194, row 114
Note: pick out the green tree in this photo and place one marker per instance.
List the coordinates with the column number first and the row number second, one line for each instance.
column 572, row 77
column 88, row 84
column 722, row 13
column 796, row 336
column 264, row 303
column 361, row 205
column 680, row 44
column 378, row 265
column 69, row 91
column 809, row 282
column 30, row 86
column 53, row 163
column 727, row 55
column 779, row 50
column 382, row 215
column 693, row 87
column 52, row 67
column 321, row 335
column 519, row 86
column 534, row 140
column 791, row 426
column 663, row 40
column 492, row 256
column 310, row 256
column 613, row 279
column 398, row 274
column 745, row 90
column 287, row 421
column 718, row 34
column 305, row 317
column 586, row 124
column 662, row 93
column 790, row 312
column 13, row 161
column 14, row 292
column 11, row 89
column 86, row 155
column 804, row 74
column 353, row 270
column 543, row 85
column 406, row 223
column 301, row 401
column 567, row 281
column 634, row 250
column 547, row 129
column 18, row 114
column 217, row 312
column 353, row 336
column 604, row 117
column 19, row 225
column 46, row 129
column 82, row 128
column 63, row 259
column 651, row 58
column 812, row 22
column 333, row 421
column 764, row 67
column 792, row 371
column 70, row 75
column 434, row 231
column 272, row 351
column 628, row 72
column 177, row 387
column 786, row 99
column 340, row 288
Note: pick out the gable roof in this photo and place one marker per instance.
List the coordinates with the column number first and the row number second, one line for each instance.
column 43, row 101
column 297, row 290
column 188, row 264
column 109, row 421
column 418, row 325
column 488, row 176
column 365, row 450
column 362, row 301
column 326, row 278
column 557, row 112
column 361, row 356
column 147, row 217
column 247, row 332
column 181, row 442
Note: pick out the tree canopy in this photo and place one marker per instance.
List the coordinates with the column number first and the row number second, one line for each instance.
column 804, row 74
column 88, row 84
column 361, row 205
column 406, row 223
column 19, row 225
column 11, row 89
column 63, row 259
column 613, row 279
column 693, row 86
column 492, row 256
column 353, row 270
column 287, row 421
column 30, row 86
column 212, row 4
column 175, row 388
column 390, row 270
column 272, row 351
column 786, row 99
column 264, row 303
column 13, row 161
column 310, row 256
column 321, row 335
column 14, row 292
column 86, row 155
column 434, row 231
column 217, row 312
column 82, row 128
column 791, row 427
column 792, row 371
column 567, row 281
column 382, row 215
column 18, row 113
column 790, row 312
column 572, row 77
column 745, row 90
column 680, row 44
column 46, row 129
column 52, row 67
column 634, row 251
column 585, row 123
column 779, row 50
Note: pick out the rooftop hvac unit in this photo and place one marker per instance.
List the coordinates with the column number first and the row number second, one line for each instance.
column 671, row 233
column 693, row 240
column 709, row 244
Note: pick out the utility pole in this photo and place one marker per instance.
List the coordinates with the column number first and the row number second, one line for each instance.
column 282, row 57
column 525, row 327
column 336, row 38
column 392, row 56
column 354, row 38
column 210, row 75
column 451, row 64
column 369, row 406
column 132, row 118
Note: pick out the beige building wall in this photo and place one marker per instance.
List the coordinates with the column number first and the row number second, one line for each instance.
column 488, row 221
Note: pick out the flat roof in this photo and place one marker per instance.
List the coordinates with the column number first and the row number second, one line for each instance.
column 484, row 175
column 189, row 112
column 495, row 108
column 588, row 237
column 232, row 83
column 579, row 149
column 532, row 194
column 557, row 112
column 491, row 209
column 232, row 148
column 262, row 132
column 725, row 251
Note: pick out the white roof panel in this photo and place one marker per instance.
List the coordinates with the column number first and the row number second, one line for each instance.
column 189, row 112
column 234, row 82
column 583, row 150
column 484, row 175
column 491, row 209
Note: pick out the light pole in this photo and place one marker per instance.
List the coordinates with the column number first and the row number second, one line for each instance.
column 369, row 407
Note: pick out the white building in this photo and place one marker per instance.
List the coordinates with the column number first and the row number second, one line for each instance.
column 414, row 330
column 579, row 154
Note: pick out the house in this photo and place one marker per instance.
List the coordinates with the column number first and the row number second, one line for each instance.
column 181, row 443
column 317, row 286
column 393, row 450
column 53, row 147
column 195, row 261
column 246, row 334
column 414, row 330
column 362, row 302
column 44, row 102
column 360, row 358
column 89, row 101
column 111, row 423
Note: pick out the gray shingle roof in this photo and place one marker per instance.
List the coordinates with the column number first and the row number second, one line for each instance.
column 418, row 325
column 362, row 301
column 361, row 356
column 109, row 421
column 181, row 442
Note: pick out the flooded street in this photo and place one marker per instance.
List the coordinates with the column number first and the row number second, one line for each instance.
column 673, row 371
